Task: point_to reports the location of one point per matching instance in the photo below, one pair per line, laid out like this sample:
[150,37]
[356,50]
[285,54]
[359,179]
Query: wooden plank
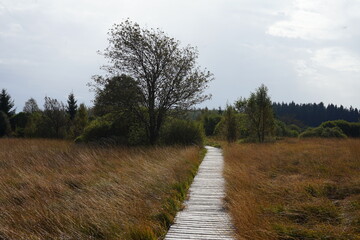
[204,217]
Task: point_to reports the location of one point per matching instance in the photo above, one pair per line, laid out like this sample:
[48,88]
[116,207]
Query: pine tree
[6,103]
[230,124]
[4,124]
[72,106]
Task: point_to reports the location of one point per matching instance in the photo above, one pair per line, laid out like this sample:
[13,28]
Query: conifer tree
[4,124]
[72,106]
[6,103]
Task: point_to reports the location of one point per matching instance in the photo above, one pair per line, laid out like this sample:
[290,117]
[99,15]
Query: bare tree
[167,75]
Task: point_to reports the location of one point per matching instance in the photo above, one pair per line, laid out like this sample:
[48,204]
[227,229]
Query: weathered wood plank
[204,217]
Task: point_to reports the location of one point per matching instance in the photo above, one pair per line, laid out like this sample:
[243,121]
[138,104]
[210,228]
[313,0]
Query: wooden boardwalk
[204,217]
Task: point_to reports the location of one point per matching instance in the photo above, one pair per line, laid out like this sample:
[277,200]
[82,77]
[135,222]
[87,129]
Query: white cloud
[337,58]
[317,20]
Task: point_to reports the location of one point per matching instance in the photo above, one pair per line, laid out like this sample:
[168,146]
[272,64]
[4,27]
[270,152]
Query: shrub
[5,128]
[210,121]
[350,129]
[323,133]
[97,129]
[242,130]
[282,130]
[111,128]
[18,123]
[182,132]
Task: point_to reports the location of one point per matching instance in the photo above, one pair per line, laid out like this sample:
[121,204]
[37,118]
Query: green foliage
[259,111]
[51,123]
[54,119]
[71,108]
[118,94]
[182,132]
[33,125]
[323,132]
[231,125]
[113,128]
[80,121]
[241,126]
[96,130]
[18,123]
[282,130]
[5,128]
[6,103]
[166,76]
[210,120]
[350,129]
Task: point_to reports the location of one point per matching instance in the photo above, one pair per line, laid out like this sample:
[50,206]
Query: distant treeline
[313,114]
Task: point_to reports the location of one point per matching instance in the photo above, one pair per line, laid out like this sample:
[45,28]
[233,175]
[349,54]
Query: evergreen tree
[71,108]
[313,114]
[5,128]
[6,103]
[230,124]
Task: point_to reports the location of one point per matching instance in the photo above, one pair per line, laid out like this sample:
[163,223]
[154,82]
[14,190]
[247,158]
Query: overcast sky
[302,50]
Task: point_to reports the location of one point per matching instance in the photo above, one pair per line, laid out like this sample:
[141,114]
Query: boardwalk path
[204,217]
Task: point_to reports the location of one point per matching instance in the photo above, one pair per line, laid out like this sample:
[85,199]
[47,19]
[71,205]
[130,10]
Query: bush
[323,133]
[18,123]
[182,132]
[350,129]
[113,128]
[96,130]
[5,128]
[210,121]
[282,130]
[242,130]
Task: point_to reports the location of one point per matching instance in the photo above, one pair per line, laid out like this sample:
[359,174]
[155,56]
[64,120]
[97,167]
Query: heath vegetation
[52,189]
[294,189]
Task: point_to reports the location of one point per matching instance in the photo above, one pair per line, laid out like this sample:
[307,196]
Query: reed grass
[54,189]
[294,189]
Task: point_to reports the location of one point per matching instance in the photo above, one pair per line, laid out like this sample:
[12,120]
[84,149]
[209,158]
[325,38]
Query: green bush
[242,130]
[210,121]
[182,132]
[5,128]
[350,129]
[112,128]
[282,130]
[322,132]
[96,130]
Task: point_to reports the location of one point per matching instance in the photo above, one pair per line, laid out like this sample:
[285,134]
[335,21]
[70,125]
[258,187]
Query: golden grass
[53,189]
[294,189]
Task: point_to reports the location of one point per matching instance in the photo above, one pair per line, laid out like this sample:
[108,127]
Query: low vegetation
[52,189]
[294,189]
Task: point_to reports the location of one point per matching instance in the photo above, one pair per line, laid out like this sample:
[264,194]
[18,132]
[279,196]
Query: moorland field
[294,189]
[52,189]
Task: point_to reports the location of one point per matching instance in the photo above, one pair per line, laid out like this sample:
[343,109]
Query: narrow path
[204,216]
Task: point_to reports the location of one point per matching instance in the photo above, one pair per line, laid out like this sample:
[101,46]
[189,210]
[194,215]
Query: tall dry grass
[53,189]
[294,189]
